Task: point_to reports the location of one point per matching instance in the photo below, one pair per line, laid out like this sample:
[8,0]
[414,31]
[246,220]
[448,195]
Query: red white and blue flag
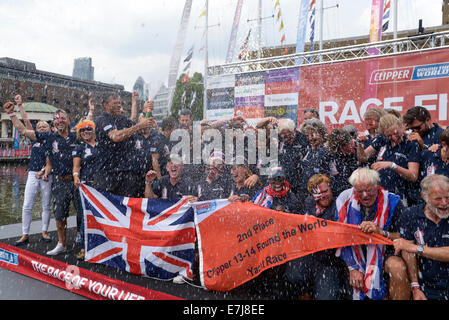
[371,264]
[148,237]
[386,16]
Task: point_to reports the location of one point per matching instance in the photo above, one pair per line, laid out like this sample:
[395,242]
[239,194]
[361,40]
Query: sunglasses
[416,128]
[88,129]
[184,112]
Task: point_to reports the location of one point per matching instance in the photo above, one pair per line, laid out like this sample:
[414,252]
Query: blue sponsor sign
[431,71]
[9,257]
[206,207]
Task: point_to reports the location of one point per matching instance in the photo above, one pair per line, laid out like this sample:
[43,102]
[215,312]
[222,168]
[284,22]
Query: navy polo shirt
[341,168]
[114,156]
[162,147]
[37,158]
[220,188]
[142,148]
[314,162]
[89,160]
[59,151]
[433,136]
[325,256]
[291,155]
[431,163]
[164,189]
[415,225]
[290,202]
[251,192]
[401,154]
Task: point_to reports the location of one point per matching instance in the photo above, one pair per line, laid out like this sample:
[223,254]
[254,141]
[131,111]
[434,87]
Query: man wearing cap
[278,195]
[60,146]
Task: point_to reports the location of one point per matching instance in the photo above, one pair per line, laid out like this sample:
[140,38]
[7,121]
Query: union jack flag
[153,238]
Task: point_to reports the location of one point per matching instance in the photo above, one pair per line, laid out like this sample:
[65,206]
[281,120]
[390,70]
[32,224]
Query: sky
[128,39]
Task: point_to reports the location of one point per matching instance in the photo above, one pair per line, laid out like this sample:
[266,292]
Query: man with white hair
[425,242]
[375,210]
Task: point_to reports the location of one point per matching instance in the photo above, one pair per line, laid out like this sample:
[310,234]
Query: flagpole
[321,27]
[206,62]
[395,22]
[259,30]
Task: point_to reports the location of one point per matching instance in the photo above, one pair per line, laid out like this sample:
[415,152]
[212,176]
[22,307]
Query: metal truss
[416,43]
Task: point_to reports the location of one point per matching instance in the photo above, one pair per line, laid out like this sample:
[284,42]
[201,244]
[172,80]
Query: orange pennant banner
[237,241]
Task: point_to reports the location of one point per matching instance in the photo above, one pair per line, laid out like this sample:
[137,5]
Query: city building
[57,90]
[82,69]
[142,89]
[161,109]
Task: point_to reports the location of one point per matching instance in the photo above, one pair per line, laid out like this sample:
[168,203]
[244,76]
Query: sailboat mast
[235,27]
[176,56]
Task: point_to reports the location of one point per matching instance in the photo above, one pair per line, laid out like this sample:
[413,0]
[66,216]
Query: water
[13,177]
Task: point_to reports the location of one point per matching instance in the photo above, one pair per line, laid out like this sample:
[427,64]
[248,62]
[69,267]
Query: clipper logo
[412,73]
[9,257]
[391,75]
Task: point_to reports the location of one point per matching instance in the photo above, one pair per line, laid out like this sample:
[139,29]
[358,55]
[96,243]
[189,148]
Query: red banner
[72,278]
[342,92]
[237,241]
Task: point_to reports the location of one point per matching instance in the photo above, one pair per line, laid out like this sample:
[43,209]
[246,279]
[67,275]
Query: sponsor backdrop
[341,92]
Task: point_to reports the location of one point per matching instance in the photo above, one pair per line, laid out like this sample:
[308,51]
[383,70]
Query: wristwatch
[420,250]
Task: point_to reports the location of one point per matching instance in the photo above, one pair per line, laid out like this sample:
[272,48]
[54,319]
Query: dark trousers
[63,191]
[324,281]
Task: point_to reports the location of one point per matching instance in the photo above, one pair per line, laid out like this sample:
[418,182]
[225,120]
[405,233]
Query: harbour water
[13,177]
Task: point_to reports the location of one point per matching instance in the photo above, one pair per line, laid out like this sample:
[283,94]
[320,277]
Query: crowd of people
[391,179]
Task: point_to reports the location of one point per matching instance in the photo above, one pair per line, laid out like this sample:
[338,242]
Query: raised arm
[18,100]
[90,115]
[9,108]
[149,178]
[134,110]
[363,155]
[121,135]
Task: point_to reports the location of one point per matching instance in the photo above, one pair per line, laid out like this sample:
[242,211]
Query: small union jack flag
[153,238]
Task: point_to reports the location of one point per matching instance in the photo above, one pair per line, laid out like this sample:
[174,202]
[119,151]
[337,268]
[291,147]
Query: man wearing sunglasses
[424,131]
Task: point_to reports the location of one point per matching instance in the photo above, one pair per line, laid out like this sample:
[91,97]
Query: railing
[361,51]
[10,154]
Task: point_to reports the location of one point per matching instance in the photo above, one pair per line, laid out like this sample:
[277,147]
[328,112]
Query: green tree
[193,84]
